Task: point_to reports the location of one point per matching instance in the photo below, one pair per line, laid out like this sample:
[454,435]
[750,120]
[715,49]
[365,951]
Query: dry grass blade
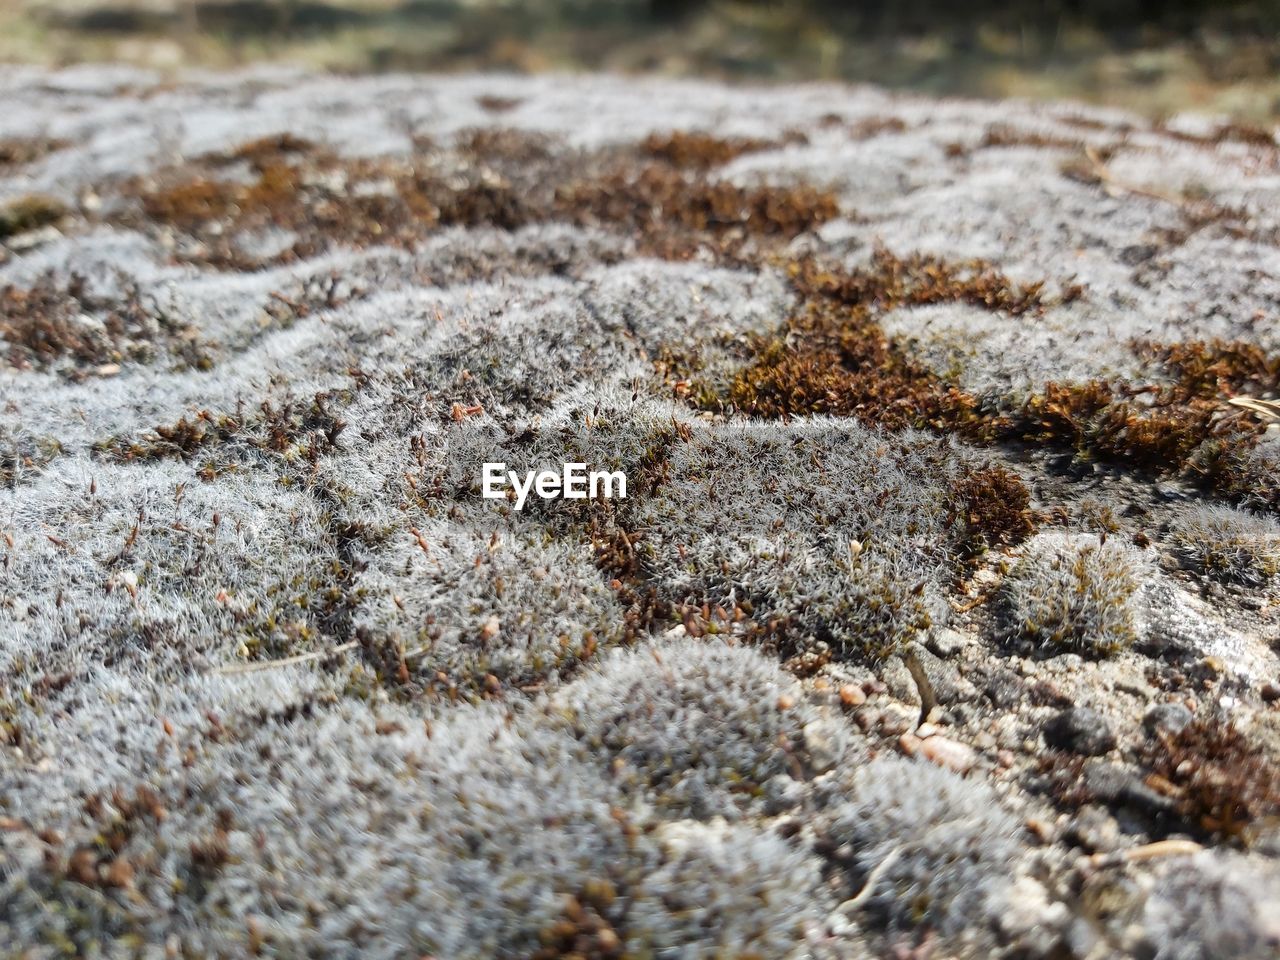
[1268,410]
[286,662]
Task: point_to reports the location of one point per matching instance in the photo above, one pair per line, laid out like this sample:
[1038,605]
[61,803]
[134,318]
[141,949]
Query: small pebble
[949,643]
[1166,718]
[822,749]
[851,695]
[947,753]
[1081,731]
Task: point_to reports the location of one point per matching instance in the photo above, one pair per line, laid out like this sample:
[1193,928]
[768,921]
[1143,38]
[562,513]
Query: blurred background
[1158,58]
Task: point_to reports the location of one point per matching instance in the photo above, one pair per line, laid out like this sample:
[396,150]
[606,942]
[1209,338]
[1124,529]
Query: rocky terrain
[940,619]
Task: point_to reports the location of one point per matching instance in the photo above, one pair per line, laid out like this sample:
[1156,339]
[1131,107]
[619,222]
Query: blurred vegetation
[1155,57]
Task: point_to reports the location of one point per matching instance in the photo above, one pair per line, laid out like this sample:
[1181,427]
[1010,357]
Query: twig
[1107,179]
[286,662]
[869,887]
[1150,851]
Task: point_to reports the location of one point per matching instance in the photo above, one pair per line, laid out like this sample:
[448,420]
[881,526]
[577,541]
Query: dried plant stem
[286,662]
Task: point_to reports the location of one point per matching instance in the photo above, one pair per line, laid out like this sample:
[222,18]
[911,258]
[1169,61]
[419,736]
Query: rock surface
[275,678]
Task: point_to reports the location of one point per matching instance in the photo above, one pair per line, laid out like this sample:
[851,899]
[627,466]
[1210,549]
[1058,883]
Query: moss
[266,151]
[1240,467]
[833,356]
[494,104]
[1077,592]
[29,213]
[1100,420]
[892,281]
[1226,544]
[1004,135]
[1235,131]
[941,848]
[693,727]
[103,862]
[875,614]
[510,179]
[487,204]
[995,506]
[1097,517]
[587,928]
[1181,427]
[63,327]
[293,431]
[875,127]
[692,150]
[508,149]
[666,206]
[1222,782]
[1214,904]
[19,151]
[1214,369]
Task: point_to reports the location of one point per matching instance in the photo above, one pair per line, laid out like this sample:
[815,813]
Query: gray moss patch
[930,848]
[1228,544]
[1078,592]
[834,535]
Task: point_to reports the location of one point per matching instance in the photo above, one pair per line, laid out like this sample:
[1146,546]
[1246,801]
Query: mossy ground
[276,678]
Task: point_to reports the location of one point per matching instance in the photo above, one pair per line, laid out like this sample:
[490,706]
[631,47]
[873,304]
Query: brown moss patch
[493,104]
[587,928]
[106,856]
[892,281]
[832,357]
[1004,135]
[1103,421]
[1177,424]
[52,325]
[1231,132]
[995,506]
[265,151]
[1222,783]
[870,127]
[323,200]
[296,431]
[498,178]
[511,151]
[674,214]
[1216,368]
[693,150]
[19,151]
